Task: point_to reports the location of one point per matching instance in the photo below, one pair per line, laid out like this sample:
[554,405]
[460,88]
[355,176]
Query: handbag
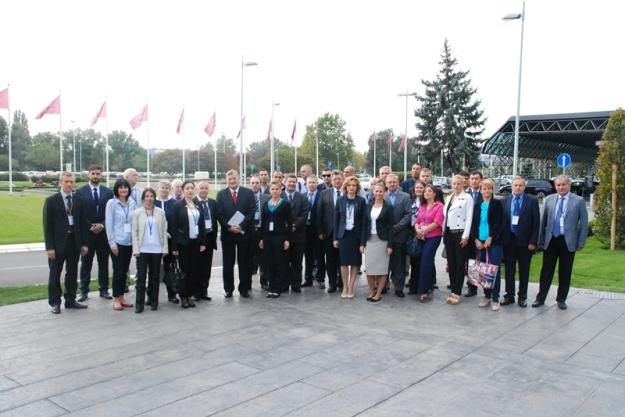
[414,247]
[482,273]
[174,275]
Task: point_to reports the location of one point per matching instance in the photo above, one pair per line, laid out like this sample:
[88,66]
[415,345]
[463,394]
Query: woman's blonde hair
[488,183]
[349,180]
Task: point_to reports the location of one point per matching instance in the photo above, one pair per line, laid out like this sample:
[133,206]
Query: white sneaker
[485,301]
[495,306]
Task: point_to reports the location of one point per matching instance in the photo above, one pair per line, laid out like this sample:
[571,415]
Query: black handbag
[174,275]
[414,246]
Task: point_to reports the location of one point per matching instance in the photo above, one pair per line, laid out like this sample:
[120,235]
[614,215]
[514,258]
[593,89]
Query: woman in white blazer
[149,244]
[458,212]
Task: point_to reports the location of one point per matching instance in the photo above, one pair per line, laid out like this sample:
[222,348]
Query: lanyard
[125,209]
[150,223]
[195,218]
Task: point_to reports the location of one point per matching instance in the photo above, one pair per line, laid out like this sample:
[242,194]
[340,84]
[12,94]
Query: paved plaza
[315,354]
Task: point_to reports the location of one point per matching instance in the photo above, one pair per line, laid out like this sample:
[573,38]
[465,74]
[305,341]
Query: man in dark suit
[313,252]
[299,212]
[475,180]
[401,228]
[407,185]
[94,197]
[263,177]
[165,202]
[325,228]
[236,239]
[65,234]
[256,259]
[563,231]
[209,208]
[523,219]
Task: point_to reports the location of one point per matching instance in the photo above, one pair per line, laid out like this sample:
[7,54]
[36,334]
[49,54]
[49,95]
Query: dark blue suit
[97,243]
[350,240]
[516,248]
[313,252]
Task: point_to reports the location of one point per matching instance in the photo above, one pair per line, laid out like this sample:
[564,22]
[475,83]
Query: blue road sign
[330,164]
[563,160]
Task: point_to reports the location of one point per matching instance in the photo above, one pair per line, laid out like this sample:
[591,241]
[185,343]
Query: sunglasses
[325,175]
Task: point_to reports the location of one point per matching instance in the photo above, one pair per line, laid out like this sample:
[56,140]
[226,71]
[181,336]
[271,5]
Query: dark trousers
[513,254]
[296,258]
[98,246]
[313,255]
[557,249]
[148,264]
[456,260]
[413,283]
[398,267]
[121,263]
[427,273]
[471,254]
[189,258]
[256,260]
[204,272]
[332,261]
[68,256]
[239,251]
[495,253]
[168,260]
[276,262]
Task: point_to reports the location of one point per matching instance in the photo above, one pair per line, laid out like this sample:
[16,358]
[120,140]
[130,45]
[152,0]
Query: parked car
[538,187]
[583,187]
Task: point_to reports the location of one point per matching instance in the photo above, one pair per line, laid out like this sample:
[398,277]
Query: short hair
[164,182]
[563,177]
[517,178]
[232,172]
[278,172]
[464,174]
[419,182]
[291,176]
[276,183]
[263,170]
[391,175]
[306,166]
[184,184]
[336,172]
[66,174]
[488,183]
[457,177]
[326,169]
[477,173]
[384,167]
[312,177]
[254,177]
[205,180]
[417,164]
[176,182]
[94,167]
[148,190]
[129,171]
[347,181]
[122,182]
[425,170]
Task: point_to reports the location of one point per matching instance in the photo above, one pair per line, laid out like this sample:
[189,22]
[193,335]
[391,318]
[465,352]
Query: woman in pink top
[429,229]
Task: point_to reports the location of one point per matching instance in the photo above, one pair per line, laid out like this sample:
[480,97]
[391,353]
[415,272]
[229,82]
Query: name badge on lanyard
[126,227]
[562,222]
[515,220]
[207,225]
[70,219]
[195,230]
[271,226]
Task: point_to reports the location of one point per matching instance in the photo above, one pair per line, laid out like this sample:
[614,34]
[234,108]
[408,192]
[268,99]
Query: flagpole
[295,164]
[317,150]
[60,134]
[10,150]
[215,149]
[390,151]
[106,132]
[148,150]
[375,145]
[184,149]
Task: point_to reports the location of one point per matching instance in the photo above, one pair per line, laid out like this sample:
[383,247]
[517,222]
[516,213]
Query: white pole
[375,145]
[106,142]
[241,125]
[271,143]
[147,128]
[74,149]
[390,153]
[184,149]
[295,164]
[10,150]
[406,139]
[215,150]
[60,136]
[317,149]
[518,101]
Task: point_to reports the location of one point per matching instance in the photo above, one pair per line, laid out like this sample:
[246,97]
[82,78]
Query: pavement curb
[22,247]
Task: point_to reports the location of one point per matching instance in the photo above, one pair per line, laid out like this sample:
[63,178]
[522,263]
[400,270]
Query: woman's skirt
[349,252]
[376,258]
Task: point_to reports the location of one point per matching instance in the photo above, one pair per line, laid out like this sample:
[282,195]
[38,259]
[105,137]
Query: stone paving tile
[6,383]
[605,401]
[43,408]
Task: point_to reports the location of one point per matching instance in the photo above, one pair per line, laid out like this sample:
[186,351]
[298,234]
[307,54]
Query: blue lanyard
[150,223]
[195,218]
[126,209]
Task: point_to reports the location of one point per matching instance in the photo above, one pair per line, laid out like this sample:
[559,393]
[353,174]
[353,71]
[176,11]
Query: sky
[345,57]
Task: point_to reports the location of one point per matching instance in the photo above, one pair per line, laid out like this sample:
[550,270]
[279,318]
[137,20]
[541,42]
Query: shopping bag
[482,273]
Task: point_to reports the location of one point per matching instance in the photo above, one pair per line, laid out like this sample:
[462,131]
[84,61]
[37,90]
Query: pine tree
[450,117]
[611,152]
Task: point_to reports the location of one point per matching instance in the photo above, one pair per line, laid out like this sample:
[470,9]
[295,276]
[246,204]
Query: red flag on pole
[402,143]
[180,121]
[4,98]
[293,132]
[53,108]
[99,114]
[373,137]
[389,141]
[242,125]
[136,121]
[210,127]
[270,130]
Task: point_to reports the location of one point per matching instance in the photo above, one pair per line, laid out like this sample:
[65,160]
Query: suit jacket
[299,214]
[140,219]
[56,224]
[179,227]
[325,212]
[529,219]
[478,199]
[360,219]
[211,237]
[264,197]
[94,214]
[575,222]
[281,218]
[383,224]
[497,229]
[167,207]
[313,210]
[401,217]
[246,204]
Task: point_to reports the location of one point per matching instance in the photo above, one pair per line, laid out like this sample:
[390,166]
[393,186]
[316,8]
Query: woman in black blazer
[350,234]
[276,221]
[379,248]
[187,241]
[488,231]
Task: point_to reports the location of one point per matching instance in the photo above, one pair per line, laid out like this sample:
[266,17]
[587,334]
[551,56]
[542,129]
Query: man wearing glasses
[326,176]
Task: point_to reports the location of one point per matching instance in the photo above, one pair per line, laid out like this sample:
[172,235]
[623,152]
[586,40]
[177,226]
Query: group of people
[295,231]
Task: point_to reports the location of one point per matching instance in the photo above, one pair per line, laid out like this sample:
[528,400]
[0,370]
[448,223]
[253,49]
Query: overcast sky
[350,58]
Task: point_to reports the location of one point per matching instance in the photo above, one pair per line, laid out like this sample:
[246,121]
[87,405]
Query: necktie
[96,199]
[311,200]
[258,211]
[556,222]
[338,194]
[391,197]
[515,212]
[234,197]
[69,205]
[290,197]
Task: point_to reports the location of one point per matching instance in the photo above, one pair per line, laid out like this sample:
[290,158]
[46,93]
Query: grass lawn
[21,218]
[14,295]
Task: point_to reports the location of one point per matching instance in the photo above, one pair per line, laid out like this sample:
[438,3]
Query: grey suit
[399,236]
[561,248]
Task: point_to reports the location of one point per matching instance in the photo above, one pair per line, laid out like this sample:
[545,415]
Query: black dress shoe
[228,294]
[522,303]
[205,298]
[174,300]
[196,298]
[307,284]
[55,309]
[74,304]
[154,307]
[435,286]
[264,286]
[82,297]
[191,303]
[400,293]
[538,303]
[322,286]
[139,309]
[296,290]
[472,292]
[331,289]
[413,292]
[562,305]
[184,302]
[245,294]
[369,298]
[507,301]
[105,295]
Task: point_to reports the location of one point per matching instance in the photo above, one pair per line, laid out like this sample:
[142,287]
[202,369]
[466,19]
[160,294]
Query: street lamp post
[272,156]
[241,147]
[73,144]
[406,94]
[515,156]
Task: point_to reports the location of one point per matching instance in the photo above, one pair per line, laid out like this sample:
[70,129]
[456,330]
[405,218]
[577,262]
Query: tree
[43,154]
[4,136]
[450,117]
[20,139]
[611,152]
[335,143]
[125,152]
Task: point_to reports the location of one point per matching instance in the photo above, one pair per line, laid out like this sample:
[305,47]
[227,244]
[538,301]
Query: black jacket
[325,212]
[211,237]
[281,218]
[360,219]
[299,214]
[93,213]
[56,224]
[529,220]
[179,228]
[246,204]
[496,222]
[383,224]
